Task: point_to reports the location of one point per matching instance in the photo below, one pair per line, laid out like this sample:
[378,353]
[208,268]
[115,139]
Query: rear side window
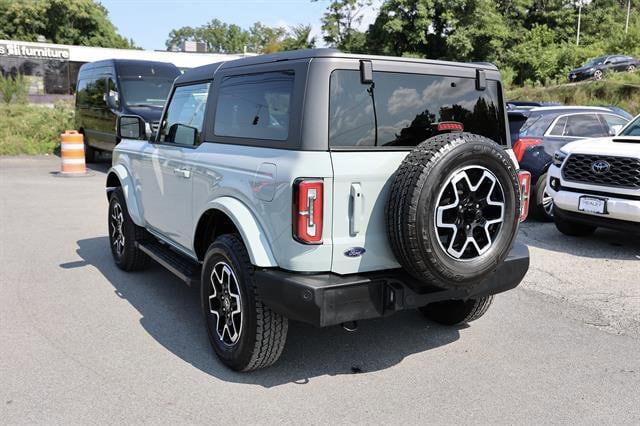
[256,106]
[614,123]
[408,108]
[185,115]
[585,125]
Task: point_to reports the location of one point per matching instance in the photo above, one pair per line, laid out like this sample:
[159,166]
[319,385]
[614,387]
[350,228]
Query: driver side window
[184,118]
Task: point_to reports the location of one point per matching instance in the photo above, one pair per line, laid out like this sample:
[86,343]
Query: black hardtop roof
[116,62]
[206,72]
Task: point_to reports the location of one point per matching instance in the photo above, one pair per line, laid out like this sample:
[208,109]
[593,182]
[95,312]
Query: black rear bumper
[329,299]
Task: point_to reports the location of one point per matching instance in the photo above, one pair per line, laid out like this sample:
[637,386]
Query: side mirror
[131,127]
[183,135]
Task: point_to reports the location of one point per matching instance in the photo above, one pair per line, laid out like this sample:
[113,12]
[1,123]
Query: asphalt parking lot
[83,342]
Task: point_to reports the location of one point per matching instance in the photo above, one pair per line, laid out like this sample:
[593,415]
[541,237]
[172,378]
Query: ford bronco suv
[323,187]
[596,183]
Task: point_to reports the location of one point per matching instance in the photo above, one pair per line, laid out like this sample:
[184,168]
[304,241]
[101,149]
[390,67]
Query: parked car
[596,183]
[539,132]
[597,67]
[529,104]
[326,188]
[110,88]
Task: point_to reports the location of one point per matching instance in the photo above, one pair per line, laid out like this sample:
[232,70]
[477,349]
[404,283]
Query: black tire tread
[455,312]
[408,183]
[271,327]
[136,259]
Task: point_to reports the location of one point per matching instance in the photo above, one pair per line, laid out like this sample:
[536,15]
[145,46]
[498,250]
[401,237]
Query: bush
[620,89]
[13,88]
[31,129]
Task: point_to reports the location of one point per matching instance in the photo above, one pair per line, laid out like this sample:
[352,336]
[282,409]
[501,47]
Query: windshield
[632,129]
[147,91]
[594,62]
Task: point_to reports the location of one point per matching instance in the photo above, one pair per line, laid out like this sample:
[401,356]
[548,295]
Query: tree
[339,24]
[79,22]
[230,38]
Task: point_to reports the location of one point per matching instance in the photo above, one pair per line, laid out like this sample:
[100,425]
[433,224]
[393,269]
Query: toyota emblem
[599,167]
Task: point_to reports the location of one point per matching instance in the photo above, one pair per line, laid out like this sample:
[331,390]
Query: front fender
[128,189]
[252,234]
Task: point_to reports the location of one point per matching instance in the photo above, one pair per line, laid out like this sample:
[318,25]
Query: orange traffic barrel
[72,153]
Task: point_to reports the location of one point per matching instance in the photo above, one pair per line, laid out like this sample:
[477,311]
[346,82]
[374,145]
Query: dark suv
[537,133]
[113,87]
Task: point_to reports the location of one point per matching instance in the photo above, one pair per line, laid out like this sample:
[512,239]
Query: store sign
[28,51]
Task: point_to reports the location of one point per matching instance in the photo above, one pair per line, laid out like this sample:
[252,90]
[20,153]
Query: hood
[606,146]
[149,113]
[580,69]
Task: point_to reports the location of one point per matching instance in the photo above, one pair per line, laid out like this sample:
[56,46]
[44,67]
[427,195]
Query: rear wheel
[245,334]
[90,154]
[573,229]
[631,68]
[452,212]
[452,312]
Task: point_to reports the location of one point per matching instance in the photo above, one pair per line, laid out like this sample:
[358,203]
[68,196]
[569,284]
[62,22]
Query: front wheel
[245,334]
[543,207]
[597,75]
[453,312]
[124,234]
[631,68]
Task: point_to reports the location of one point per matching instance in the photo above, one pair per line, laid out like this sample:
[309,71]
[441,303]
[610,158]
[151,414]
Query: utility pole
[626,27]
[579,16]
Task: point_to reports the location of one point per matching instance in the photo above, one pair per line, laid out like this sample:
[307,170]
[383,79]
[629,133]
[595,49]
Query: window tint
[614,123]
[409,107]
[560,127]
[536,126]
[255,106]
[515,124]
[584,125]
[185,115]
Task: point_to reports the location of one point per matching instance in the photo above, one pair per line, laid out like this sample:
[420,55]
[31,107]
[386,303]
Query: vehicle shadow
[604,243]
[170,313]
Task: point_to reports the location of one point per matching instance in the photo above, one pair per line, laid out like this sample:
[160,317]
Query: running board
[181,266]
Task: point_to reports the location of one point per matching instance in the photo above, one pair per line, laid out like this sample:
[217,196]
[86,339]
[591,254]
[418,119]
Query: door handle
[185,173]
[357,209]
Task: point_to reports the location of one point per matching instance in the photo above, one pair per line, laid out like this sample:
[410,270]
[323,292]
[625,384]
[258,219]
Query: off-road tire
[263,331]
[415,190]
[454,312]
[537,207]
[131,258]
[573,229]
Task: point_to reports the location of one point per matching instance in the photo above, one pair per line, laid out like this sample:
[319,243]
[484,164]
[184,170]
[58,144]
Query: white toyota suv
[596,182]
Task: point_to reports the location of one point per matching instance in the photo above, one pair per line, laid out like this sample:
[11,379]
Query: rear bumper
[330,299]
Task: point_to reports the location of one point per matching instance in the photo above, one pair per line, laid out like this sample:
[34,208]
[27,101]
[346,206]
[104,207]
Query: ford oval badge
[354,252]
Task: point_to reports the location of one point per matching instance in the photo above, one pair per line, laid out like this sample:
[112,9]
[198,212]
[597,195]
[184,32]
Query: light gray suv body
[271,181]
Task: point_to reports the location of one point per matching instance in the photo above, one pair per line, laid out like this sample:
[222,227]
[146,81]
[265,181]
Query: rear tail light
[525,191]
[450,126]
[307,210]
[522,144]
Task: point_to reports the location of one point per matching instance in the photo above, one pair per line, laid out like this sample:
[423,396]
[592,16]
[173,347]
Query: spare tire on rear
[453,209]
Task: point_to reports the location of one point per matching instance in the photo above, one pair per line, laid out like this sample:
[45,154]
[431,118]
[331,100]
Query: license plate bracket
[592,205]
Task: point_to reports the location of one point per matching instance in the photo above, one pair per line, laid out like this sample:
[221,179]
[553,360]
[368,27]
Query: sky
[148,22]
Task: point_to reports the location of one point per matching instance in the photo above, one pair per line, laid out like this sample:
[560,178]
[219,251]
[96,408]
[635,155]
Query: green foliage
[79,22]
[31,129]
[13,89]
[531,40]
[339,24]
[229,38]
[620,89]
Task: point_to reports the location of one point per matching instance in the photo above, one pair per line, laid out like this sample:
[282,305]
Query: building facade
[51,70]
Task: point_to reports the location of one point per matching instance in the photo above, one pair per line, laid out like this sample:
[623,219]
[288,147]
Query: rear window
[255,106]
[408,107]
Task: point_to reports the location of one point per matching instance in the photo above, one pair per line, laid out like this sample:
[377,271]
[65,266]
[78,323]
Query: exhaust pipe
[350,326]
